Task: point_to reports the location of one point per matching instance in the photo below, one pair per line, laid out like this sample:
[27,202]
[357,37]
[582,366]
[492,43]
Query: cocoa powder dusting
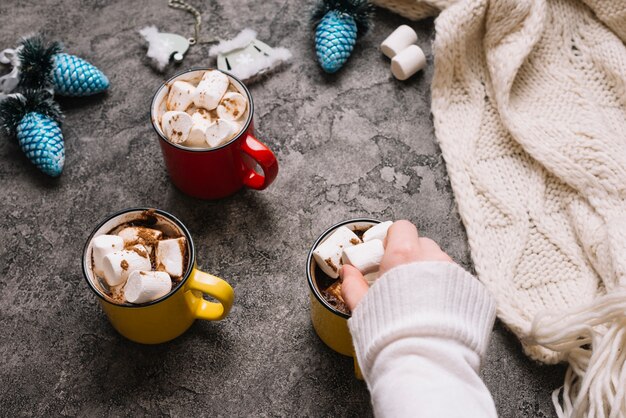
[124,265]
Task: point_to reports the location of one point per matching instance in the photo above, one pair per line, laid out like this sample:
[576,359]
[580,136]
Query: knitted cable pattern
[529,105]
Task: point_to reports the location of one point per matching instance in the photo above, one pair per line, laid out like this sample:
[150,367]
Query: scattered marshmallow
[220,131]
[327,255]
[145,286]
[176,126]
[170,256]
[119,264]
[180,96]
[232,106]
[365,257]
[210,90]
[101,246]
[399,39]
[378,231]
[407,62]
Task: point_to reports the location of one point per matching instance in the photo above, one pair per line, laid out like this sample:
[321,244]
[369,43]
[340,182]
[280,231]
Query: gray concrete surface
[353,144]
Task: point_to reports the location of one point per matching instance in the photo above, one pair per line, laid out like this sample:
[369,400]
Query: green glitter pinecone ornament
[34,118]
[43,65]
[338,23]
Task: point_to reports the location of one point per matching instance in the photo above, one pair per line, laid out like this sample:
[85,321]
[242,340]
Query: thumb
[353,286]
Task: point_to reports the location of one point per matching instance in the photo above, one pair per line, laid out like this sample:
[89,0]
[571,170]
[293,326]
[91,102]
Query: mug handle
[214,287]
[260,153]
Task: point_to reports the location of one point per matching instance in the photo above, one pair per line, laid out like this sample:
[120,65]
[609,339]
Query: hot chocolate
[204,110]
[140,260]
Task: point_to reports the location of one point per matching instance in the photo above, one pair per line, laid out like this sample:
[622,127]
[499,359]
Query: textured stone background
[358,143]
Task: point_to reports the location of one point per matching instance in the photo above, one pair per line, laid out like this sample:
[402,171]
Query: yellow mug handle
[213,286]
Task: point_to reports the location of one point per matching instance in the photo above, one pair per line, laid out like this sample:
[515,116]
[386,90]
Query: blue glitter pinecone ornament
[34,119]
[338,23]
[43,65]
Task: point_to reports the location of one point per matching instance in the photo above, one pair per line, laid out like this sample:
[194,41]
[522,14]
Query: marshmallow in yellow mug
[171,315]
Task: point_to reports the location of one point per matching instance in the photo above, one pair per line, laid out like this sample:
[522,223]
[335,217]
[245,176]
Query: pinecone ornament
[338,23]
[43,65]
[34,118]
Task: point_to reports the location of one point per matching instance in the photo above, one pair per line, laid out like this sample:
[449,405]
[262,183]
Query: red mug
[216,172]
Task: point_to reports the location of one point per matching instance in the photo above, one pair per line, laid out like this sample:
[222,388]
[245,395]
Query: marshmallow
[176,126]
[327,255]
[399,39]
[146,286]
[101,246]
[119,264]
[365,257]
[378,231]
[180,96]
[140,234]
[232,106]
[170,256]
[220,131]
[211,89]
[408,61]
[201,115]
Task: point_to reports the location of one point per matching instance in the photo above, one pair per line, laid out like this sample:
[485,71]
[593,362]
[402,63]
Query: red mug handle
[260,153]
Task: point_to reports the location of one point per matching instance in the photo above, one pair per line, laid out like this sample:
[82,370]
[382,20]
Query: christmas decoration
[42,65]
[338,23]
[34,119]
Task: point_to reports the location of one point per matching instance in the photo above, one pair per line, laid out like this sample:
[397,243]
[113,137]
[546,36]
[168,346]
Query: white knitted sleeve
[419,335]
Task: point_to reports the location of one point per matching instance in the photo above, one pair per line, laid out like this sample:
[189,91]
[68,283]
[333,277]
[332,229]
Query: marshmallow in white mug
[176,126]
[378,231]
[407,62]
[399,39]
[180,96]
[232,106]
[119,264]
[145,286]
[327,255]
[220,131]
[170,256]
[210,90]
[365,257]
[101,246]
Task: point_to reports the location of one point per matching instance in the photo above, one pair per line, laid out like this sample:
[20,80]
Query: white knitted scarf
[529,104]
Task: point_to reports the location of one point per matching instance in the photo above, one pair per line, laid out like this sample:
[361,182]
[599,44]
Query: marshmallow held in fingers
[180,96]
[118,265]
[232,106]
[146,286]
[365,257]
[220,131]
[210,90]
[170,256]
[176,126]
[101,246]
[399,39]
[327,255]
[407,62]
[378,231]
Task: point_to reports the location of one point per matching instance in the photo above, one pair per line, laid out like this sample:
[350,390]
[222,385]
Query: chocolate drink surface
[141,237]
[331,288]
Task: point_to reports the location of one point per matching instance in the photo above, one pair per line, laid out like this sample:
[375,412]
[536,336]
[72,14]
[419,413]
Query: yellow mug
[330,324]
[169,316]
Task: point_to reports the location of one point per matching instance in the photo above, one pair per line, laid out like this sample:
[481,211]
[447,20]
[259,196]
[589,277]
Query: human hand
[403,245]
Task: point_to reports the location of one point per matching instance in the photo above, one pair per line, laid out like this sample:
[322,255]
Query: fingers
[353,287]
[402,245]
